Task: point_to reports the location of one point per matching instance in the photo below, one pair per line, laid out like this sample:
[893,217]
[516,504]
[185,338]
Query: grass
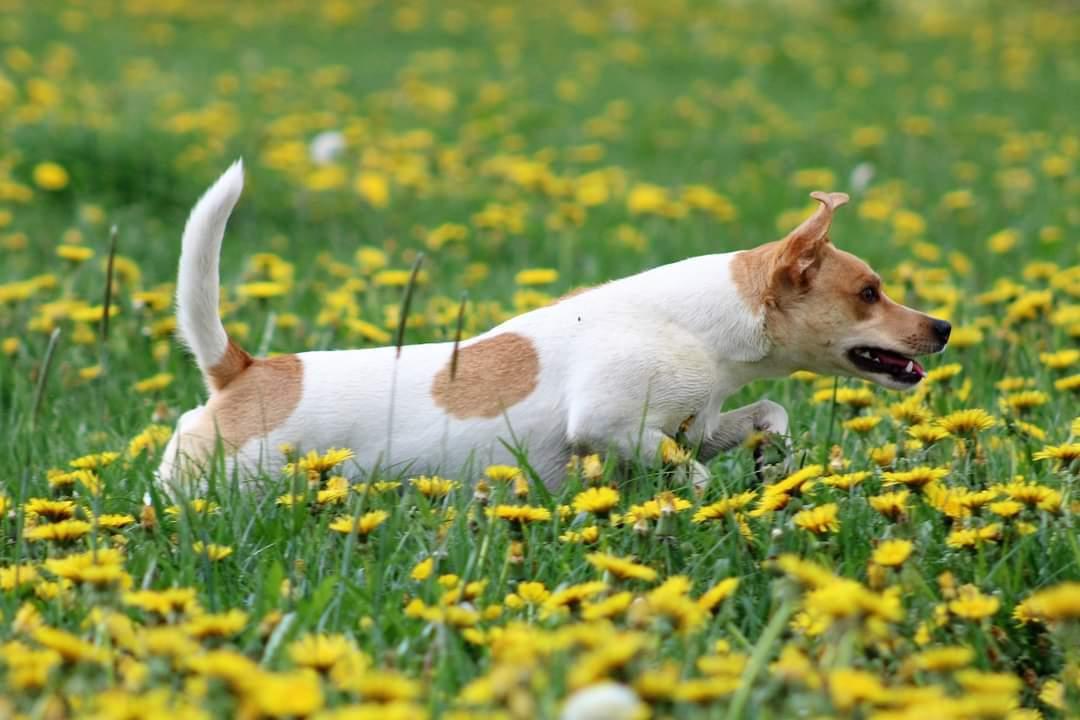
[595,141]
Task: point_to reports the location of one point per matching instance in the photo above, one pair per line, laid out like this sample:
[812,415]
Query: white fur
[622,366]
[197,284]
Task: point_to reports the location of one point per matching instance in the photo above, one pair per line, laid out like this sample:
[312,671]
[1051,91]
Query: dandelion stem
[832,422]
[399,340]
[457,335]
[759,657]
[43,377]
[406,303]
[107,303]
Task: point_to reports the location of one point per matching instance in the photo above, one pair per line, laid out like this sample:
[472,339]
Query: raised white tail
[197,287]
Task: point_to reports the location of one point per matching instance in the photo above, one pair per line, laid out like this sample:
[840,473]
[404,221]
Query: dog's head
[826,310]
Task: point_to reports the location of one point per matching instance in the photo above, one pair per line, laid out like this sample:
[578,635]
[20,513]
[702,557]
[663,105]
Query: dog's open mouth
[899,367]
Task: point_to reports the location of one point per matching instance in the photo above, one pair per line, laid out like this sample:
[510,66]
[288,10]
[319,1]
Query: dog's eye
[869,294]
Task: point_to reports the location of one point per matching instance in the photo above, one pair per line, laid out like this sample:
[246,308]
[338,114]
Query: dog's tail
[197,287]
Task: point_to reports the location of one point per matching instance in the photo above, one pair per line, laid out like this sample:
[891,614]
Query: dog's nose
[942,329]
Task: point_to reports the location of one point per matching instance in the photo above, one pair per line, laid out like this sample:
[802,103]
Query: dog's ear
[799,254]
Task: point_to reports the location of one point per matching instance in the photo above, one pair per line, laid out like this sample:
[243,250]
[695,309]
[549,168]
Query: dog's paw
[771,418]
[700,477]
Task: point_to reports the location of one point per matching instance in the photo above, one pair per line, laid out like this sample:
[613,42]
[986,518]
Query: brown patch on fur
[235,361]
[493,375]
[254,403]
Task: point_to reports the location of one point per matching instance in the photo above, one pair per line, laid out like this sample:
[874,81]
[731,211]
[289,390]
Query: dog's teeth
[910,365]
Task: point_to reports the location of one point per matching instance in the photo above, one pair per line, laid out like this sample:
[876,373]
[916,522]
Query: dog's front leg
[720,433]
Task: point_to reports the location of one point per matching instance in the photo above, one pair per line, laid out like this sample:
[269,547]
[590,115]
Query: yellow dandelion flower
[621,567]
[862,424]
[718,593]
[1066,453]
[972,537]
[671,453]
[95,461]
[433,486]
[821,519]
[261,290]
[1034,495]
[502,473]
[794,482]
[849,687]
[943,373]
[573,595]
[891,505]
[597,500]
[211,551]
[152,438]
[965,337]
[101,567]
[74,253]
[154,383]
[368,331]
[971,604]
[374,188]
[319,651]
[362,526]
[51,510]
[162,602]
[845,481]
[536,276]
[927,434]
[423,569]
[892,553]
[607,608]
[915,477]
[940,659]
[967,422]
[586,536]
[590,467]
[720,510]
[1006,508]
[1061,359]
[1022,401]
[219,625]
[884,455]
[520,514]
[114,521]
[1029,429]
[71,648]
[51,176]
[61,532]
[1057,603]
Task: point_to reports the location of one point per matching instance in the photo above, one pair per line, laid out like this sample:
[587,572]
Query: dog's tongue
[901,362]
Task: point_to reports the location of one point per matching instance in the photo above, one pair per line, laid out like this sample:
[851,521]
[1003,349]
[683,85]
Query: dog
[617,367]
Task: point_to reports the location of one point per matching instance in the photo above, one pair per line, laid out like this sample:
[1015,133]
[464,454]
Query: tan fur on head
[811,295]
[800,252]
[492,375]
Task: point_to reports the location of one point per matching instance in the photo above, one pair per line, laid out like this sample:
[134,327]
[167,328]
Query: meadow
[918,554]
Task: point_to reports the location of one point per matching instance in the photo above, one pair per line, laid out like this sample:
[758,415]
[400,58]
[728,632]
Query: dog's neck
[700,296]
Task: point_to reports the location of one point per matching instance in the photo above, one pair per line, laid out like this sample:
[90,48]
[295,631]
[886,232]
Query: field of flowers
[919,554]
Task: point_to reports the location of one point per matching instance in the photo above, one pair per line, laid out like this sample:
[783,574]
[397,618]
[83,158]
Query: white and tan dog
[615,367]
